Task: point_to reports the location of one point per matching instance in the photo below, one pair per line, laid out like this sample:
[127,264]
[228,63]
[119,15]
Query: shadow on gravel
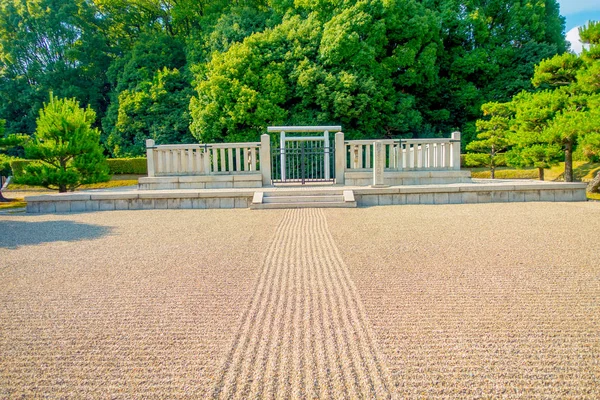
[14,234]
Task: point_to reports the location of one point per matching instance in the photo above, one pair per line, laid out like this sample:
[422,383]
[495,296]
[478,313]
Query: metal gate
[303,159]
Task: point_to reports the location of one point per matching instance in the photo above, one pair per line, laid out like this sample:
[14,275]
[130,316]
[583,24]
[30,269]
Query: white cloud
[568,7]
[573,37]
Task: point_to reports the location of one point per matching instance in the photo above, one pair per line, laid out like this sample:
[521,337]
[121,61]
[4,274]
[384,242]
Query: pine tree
[68,147]
[492,140]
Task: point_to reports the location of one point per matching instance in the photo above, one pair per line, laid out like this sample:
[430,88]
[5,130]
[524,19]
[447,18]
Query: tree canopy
[174,70]
[67,146]
[546,126]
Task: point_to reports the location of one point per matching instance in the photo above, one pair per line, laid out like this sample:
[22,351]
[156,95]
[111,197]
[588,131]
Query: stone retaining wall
[469,194]
[365,196]
[250,180]
[399,178]
[64,203]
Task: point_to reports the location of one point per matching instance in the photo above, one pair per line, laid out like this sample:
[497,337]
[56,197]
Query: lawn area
[593,196]
[116,181]
[584,171]
[16,203]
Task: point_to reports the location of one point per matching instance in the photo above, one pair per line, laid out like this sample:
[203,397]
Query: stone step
[305,192]
[309,204]
[303,199]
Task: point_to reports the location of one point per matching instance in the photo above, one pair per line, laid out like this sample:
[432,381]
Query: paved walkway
[305,333]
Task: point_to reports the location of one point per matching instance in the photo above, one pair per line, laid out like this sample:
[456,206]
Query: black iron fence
[302,162]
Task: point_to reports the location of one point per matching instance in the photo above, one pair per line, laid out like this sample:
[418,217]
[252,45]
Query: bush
[18,168]
[129,166]
[5,165]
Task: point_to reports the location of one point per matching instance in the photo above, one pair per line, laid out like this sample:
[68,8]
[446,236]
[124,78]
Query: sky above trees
[578,13]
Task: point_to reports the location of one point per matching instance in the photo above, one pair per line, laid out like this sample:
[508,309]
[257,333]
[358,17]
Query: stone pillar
[327,155]
[378,164]
[282,152]
[150,157]
[265,159]
[340,158]
[456,151]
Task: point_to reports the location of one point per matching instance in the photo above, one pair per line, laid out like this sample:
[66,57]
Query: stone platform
[478,191]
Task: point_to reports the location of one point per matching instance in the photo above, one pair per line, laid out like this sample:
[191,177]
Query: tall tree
[132,75]
[49,45]
[573,97]
[534,113]
[352,65]
[156,109]
[489,52]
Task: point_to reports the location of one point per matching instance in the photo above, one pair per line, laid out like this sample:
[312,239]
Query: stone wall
[201,182]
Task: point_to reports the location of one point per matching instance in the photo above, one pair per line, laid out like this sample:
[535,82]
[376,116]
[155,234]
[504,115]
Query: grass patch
[16,203]
[101,185]
[505,173]
[593,196]
[110,184]
[582,171]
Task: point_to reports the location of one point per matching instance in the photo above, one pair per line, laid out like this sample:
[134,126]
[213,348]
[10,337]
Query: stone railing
[203,159]
[405,154]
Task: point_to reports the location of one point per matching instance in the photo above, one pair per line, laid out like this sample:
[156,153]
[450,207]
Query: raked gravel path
[463,301]
[305,333]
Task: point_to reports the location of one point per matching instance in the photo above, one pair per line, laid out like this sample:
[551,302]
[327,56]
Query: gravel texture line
[480,301]
[305,333]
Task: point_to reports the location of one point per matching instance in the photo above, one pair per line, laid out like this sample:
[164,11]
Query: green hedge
[129,166]
[116,166]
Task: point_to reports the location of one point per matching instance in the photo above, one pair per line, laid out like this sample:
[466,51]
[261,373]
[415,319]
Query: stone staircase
[303,199]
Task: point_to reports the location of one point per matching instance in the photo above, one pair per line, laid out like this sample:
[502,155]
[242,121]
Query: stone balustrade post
[456,151]
[150,157]
[378,164]
[340,158]
[265,159]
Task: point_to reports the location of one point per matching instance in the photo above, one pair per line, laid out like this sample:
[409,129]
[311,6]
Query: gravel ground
[123,304]
[480,301]
[496,300]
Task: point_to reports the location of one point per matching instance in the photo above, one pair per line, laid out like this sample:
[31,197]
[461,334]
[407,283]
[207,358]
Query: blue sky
[577,13]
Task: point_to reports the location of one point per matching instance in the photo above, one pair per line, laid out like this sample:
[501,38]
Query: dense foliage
[67,146]
[8,144]
[544,127]
[219,70]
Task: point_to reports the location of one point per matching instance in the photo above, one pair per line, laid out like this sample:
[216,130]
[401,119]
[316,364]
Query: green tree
[67,146]
[488,53]
[534,113]
[492,141]
[49,45]
[132,77]
[353,65]
[157,109]
[566,110]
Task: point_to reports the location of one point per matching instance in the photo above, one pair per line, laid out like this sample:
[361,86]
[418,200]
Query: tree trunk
[493,171]
[594,185]
[569,162]
[62,188]
[541,173]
